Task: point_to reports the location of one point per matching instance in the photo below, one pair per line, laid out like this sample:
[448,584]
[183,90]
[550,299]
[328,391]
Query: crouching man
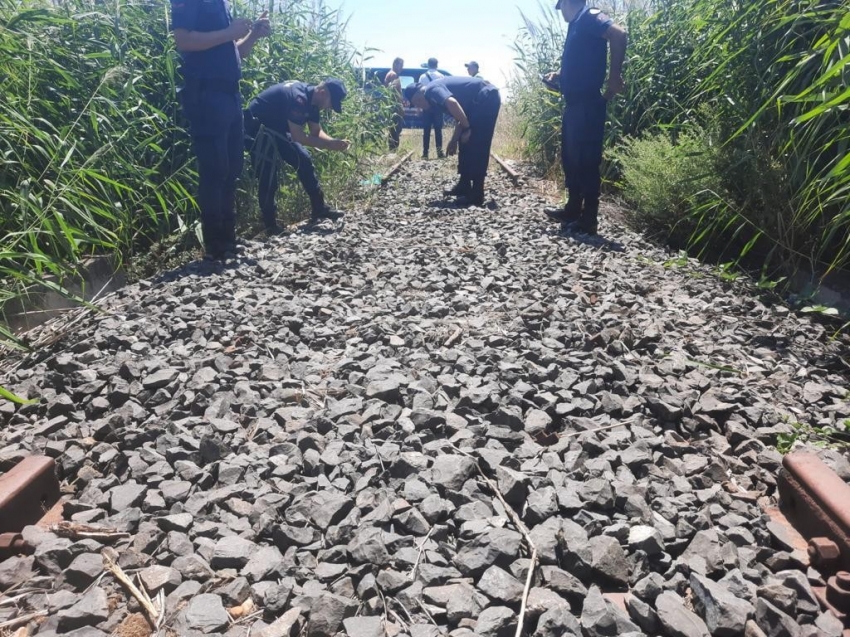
[274,129]
[474,103]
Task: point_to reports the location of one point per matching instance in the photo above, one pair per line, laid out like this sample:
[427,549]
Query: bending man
[474,103]
[274,128]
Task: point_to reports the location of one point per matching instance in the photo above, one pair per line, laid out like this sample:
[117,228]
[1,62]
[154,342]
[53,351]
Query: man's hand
[239,28]
[341,145]
[616,85]
[451,149]
[261,28]
[552,78]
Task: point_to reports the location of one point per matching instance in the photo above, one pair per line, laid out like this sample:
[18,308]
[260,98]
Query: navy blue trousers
[582,135]
[432,118]
[474,155]
[266,146]
[215,126]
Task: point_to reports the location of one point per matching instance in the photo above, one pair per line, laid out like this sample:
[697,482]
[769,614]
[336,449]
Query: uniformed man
[582,74]
[392,80]
[474,103]
[212,45]
[431,119]
[472,69]
[274,127]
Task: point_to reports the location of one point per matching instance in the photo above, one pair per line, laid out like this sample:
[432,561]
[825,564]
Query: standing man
[212,45]
[274,128]
[472,69]
[393,82]
[582,74]
[432,118]
[474,104]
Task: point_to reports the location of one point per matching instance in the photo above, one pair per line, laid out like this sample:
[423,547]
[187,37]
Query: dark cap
[410,91]
[337,90]
[471,63]
[432,63]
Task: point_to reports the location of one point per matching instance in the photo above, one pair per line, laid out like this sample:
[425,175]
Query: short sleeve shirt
[585,58]
[221,61]
[283,103]
[466,90]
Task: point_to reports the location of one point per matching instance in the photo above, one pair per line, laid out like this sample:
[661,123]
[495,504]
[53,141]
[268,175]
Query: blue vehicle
[375,77]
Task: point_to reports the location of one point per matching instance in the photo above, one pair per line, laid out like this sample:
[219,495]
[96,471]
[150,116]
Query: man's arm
[188,41]
[461,132]
[617,40]
[317,137]
[260,29]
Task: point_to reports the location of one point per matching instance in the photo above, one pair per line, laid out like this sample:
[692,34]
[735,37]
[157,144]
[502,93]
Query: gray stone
[206,613]
[84,570]
[364,626]
[642,613]
[452,471]
[90,610]
[501,586]
[602,618]
[126,496]
[676,619]
[15,571]
[647,539]
[773,622]
[367,547]
[725,614]
[327,614]
[265,563]
[558,621]
[496,621]
[232,552]
[609,560]
[158,576]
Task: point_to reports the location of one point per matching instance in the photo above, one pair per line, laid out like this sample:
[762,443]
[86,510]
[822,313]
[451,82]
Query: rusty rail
[395,168]
[27,492]
[817,503]
[515,177]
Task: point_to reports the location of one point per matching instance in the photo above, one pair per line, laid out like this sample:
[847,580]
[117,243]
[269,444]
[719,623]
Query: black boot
[213,244]
[440,154]
[320,210]
[588,222]
[461,189]
[270,222]
[568,213]
[475,196]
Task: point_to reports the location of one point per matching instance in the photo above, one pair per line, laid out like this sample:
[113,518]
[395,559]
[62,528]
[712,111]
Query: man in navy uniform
[474,103]
[582,74]
[431,119]
[212,45]
[274,127]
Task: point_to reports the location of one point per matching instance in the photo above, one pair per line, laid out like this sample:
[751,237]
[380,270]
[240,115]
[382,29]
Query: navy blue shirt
[466,90]
[283,103]
[221,62]
[585,57]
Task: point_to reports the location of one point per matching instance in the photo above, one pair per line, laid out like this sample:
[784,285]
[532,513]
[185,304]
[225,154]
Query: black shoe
[460,189]
[424,155]
[327,213]
[561,214]
[440,154]
[274,230]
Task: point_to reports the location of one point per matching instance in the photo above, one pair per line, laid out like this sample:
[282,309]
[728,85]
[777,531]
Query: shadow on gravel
[442,204]
[597,241]
[202,267]
[320,227]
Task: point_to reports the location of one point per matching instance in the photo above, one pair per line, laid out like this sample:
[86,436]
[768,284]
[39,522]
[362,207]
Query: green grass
[93,155]
[759,88]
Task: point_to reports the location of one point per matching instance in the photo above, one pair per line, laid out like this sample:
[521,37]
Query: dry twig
[453,338]
[76,531]
[154,614]
[23,619]
[419,556]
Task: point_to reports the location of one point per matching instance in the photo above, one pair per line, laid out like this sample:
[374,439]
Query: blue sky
[453,31]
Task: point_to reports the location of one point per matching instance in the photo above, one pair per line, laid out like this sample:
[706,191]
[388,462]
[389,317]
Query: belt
[219,85]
